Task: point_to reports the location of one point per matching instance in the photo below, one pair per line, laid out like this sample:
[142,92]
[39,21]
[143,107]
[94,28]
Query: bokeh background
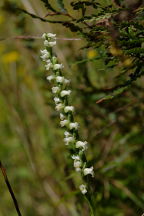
[31,141]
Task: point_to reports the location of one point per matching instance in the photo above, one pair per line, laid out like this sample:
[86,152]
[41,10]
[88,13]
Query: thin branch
[28,37]
[3,170]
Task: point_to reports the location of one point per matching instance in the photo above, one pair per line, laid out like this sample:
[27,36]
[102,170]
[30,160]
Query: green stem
[92,211]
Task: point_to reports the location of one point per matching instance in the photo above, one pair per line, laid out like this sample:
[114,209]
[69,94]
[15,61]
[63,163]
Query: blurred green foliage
[105,68]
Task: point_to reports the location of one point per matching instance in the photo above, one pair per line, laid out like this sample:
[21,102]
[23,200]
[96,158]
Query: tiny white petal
[55,89]
[88,171]
[80,144]
[69,109]
[44,57]
[65,93]
[57,66]
[51,35]
[57,100]
[83,189]
[59,79]
[44,35]
[43,52]
[68,140]
[48,64]
[77,163]
[62,116]
[73,125]
[52,43]
[75,157]
[64,123]
[50,78]
[59,106]
[67,134]
[46,43]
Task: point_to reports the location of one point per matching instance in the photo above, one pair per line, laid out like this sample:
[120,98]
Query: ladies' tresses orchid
[61,95]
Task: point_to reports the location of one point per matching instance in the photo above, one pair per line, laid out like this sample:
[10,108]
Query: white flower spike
[66,110]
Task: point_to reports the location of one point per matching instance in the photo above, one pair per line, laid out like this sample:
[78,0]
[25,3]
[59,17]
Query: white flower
[68,140]
[64,123]
[65,93]
[55,89]
[52,43]
[57,100]
[75,157]
[58,66]
[43,52]
[73,125]
[46,43]
[45,56]
[69,109]
[44,35]
[59,106]
[80,144]
[67,134]
[62,117]
[83,189]
[49,43]
[77,162]
[50,78]
[52,36]
[88,171]
[48,65]
[49,35]
[77,165]
[59,79]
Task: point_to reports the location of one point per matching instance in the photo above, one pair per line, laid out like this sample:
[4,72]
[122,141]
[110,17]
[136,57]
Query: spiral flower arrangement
[66,111]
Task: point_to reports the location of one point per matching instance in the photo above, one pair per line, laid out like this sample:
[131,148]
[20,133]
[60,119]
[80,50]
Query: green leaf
[61,6]
[48,5]
[72,27]
[80,4]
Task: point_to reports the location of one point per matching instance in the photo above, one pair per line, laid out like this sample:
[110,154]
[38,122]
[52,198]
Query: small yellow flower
[127,62]
[91,54]
[10,57]
[115,51]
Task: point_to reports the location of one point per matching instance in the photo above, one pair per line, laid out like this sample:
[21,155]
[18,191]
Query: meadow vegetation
[101,45]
